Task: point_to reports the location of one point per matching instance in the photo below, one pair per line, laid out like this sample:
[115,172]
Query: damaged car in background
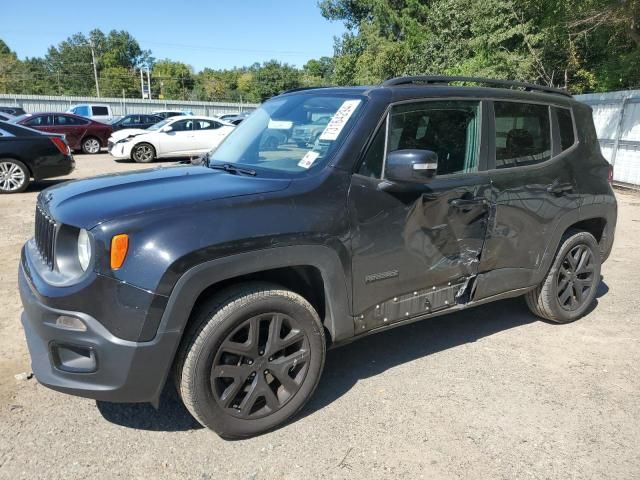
[231,278]
[179,136]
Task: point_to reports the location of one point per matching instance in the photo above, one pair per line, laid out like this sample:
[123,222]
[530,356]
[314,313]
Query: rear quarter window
[565,125]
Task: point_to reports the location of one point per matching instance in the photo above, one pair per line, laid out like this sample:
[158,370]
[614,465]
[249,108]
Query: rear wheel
[143,153]
[91,145]
[251,360]
[14,176]
[571,284]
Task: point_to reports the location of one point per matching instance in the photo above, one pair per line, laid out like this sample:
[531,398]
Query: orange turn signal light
[119,247]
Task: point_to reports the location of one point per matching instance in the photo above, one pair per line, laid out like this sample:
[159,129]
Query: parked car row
[138,137]
[27,154]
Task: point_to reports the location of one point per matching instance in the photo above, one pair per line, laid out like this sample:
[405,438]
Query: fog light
[70,323]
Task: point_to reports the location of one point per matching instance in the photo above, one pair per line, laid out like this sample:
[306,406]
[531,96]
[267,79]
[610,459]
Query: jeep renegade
[419,197]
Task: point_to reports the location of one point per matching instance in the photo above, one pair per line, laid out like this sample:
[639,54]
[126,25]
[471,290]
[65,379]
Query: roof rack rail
[301,89]
[446,80]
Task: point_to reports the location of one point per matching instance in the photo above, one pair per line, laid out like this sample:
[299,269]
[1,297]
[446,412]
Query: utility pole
[149,82]
[95,68]
[141,84]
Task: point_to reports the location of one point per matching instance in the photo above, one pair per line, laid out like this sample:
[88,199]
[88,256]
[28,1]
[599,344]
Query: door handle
[468,202]
[559,188]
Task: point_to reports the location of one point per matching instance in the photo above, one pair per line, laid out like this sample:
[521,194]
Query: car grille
[45,236]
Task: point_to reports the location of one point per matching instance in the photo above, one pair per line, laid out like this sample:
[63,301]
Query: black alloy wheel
[575,278]
[250,359]
[570,286]
[260,365]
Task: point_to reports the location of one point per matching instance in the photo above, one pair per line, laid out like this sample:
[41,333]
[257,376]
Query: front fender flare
[194,281]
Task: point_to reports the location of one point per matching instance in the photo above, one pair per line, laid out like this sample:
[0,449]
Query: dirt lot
[488,393]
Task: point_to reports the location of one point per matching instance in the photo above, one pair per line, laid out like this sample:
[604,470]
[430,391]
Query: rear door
[208,134]
[533,188]
[72,127]
[417,250]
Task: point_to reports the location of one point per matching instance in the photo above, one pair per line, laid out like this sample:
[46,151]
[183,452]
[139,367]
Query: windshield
[290,134]
[159,125]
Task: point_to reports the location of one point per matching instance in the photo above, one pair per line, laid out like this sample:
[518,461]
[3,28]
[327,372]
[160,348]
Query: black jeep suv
[420,197]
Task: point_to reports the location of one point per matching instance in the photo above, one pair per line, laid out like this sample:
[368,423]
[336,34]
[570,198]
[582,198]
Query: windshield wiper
[227,167]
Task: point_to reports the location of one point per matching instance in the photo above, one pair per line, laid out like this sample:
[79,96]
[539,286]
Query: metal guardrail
[122,106]
[616,116]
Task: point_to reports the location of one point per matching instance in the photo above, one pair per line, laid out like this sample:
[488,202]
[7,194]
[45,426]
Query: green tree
[10,69]
[172,80]
[580,44]
[272,78]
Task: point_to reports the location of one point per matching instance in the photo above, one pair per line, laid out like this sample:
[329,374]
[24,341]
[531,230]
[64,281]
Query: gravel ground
[487,393]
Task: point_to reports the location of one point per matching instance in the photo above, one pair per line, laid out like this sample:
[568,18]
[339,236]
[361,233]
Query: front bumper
[119,150]
[92,363]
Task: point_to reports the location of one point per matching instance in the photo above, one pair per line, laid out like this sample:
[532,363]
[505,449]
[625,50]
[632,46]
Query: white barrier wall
[617,119]
[122,106]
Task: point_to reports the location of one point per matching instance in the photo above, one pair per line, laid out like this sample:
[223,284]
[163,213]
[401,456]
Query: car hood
[126,132]
[87,203]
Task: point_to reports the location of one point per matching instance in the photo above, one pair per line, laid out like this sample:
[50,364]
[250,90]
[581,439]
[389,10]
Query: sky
[215,34]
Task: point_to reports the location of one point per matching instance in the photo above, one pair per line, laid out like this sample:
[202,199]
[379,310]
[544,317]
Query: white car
[183,136]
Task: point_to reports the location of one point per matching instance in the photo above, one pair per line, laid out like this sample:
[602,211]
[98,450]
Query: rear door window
[68,120]
[206,125]
[565,125]
[100,111]
[523,134]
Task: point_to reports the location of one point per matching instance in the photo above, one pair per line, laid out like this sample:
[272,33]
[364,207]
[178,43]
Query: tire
[91,145]
[14,176]
[143,153]
[572,282]
[268,378]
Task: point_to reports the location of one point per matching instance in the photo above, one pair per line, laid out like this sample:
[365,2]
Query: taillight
[61,145]
[610,175]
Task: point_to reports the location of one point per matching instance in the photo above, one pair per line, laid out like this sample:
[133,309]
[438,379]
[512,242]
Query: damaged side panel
[417,251]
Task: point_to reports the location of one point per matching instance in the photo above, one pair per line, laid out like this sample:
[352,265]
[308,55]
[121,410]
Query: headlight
[84,249]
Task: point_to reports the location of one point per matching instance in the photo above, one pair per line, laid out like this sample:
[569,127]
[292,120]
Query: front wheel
[143,153]
[14,176]
[571,284]
[252,358]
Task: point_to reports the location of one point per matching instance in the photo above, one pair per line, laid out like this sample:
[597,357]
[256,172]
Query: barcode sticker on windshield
[308,159]
[339,120]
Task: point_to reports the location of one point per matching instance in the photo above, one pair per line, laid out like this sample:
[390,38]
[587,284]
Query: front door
[417,251]
[179,141]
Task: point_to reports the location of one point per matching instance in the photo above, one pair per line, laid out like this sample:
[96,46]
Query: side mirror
[167,129]
[411,166]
